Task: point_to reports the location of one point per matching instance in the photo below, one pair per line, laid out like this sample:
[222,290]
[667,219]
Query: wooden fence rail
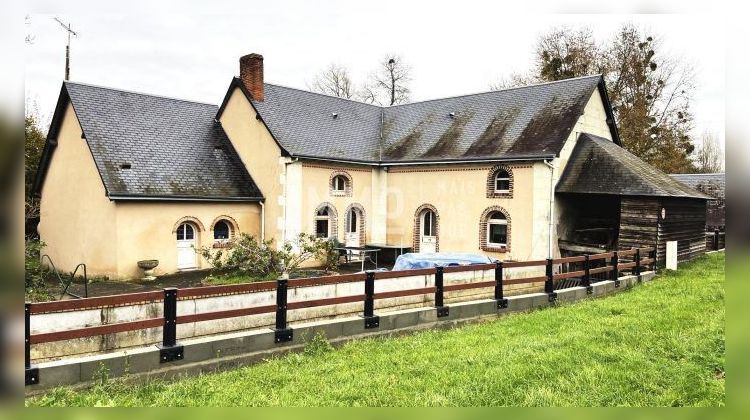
[171,350]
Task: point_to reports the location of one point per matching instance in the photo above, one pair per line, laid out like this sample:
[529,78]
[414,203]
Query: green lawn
[659,344]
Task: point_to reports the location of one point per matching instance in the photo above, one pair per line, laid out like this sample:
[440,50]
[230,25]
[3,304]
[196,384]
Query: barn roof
[153,147]
[525,122]
[713,184]
[598,166]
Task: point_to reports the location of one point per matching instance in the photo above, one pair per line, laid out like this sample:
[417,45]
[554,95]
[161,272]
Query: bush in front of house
[261,259]
[35,272]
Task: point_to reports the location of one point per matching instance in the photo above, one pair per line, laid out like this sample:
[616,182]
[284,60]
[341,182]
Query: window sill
[495,248]
[222,245]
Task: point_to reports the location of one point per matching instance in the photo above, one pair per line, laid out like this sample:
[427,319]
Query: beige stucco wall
[261,156]
[459,193]
[146,230]
[316,191]
[77,220]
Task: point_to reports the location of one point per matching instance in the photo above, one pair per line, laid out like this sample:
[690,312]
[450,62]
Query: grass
[659,344]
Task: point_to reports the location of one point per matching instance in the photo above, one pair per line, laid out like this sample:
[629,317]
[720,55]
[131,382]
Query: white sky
[452,48]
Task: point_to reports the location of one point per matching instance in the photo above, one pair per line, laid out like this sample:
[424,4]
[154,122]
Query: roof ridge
[487,92]
[68,82]
[321,94]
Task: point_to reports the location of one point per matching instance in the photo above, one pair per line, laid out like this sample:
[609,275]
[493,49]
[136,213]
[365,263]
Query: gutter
[551,206]
[262,221]
[183,198]
[428,162]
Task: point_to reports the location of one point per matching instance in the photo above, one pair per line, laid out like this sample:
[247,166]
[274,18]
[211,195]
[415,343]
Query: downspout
[551,206]
[262,221]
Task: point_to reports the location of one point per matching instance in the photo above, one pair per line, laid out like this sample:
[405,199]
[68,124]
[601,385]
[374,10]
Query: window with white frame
[323,223]
[338,183]
[502,181]
[497,230]
[222,231]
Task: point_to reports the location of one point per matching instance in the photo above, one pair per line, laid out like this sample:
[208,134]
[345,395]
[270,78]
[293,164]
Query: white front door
[352,228]
[427,236]
[186,255]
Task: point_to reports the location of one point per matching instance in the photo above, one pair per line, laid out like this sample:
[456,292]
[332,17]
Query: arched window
[426,229]
[428,223]
[338,183]
[497,230]
[500,182]
[185,232]
[322,223]
[494,230]
[222,231]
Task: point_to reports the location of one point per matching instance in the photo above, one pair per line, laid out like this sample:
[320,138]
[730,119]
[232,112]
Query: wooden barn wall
[685,222]
[638,222]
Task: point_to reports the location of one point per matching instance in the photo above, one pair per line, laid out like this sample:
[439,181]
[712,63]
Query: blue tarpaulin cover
[411,261]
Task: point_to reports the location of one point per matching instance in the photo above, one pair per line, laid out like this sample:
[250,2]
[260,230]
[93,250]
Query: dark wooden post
[638,263]
[371,320]
[549,284]
[442,310]
[502,302]
[615,271]
[587,275]
[716,239]
[169,350]
[282,332]
[32,373]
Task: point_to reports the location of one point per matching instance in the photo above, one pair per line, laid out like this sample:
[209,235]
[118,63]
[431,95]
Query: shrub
[328,255]
[35,272]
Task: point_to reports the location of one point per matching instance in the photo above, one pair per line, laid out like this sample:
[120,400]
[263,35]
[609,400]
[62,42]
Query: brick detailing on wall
[491,193]
[347,190]
[362,222]
[189,219]
[333,218]
[234,227]
[418,226]
[337,168]
[483,230]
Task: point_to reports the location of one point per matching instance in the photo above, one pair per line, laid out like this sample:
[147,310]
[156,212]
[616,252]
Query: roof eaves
[135,197]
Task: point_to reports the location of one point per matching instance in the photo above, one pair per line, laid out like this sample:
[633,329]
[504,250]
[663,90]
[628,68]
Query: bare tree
[389,85]
[29,36]
[334,81]
[514,80]
[710,156]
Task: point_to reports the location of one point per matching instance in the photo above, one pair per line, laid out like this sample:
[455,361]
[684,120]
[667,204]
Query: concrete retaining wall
[216,352]
[50,322]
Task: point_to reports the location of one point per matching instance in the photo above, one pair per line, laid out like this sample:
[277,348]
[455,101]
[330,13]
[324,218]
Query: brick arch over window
[491,193]
[189,219]
[362,221]
[418,226]
[483,230]
[333,217]
[234,227]
[347,190]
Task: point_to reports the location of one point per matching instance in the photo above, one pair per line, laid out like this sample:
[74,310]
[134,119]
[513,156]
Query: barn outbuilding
[635,205]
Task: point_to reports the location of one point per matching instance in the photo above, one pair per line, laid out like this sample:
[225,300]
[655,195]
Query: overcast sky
[452,50]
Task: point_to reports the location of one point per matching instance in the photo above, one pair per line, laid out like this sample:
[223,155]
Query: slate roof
[175,148]
[599,166]
[712,184]
[530,121]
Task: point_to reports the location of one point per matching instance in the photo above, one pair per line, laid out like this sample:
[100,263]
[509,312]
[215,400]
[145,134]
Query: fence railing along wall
[271,299]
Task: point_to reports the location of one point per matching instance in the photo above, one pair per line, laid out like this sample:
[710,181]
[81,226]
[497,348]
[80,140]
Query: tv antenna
[67,47]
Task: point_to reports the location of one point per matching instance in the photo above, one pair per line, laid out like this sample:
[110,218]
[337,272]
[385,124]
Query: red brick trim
[483,230]
[362,223]
[491,193]
[189,219]
[333,217]
[234,227]
[347,190]
[336,168]
[418,226]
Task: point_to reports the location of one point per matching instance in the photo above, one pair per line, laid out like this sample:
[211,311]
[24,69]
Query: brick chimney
[251,74]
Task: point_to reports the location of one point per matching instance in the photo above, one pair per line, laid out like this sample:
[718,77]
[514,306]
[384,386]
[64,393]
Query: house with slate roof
[127,176]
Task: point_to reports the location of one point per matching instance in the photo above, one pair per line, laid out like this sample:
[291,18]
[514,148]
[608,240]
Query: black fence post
[32,373]
[169,349]
[615,271]
[638,263]
[716,239]
[549,285]
[587,275]
[371,320]
[282,332]
[442,310]
[502,302]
